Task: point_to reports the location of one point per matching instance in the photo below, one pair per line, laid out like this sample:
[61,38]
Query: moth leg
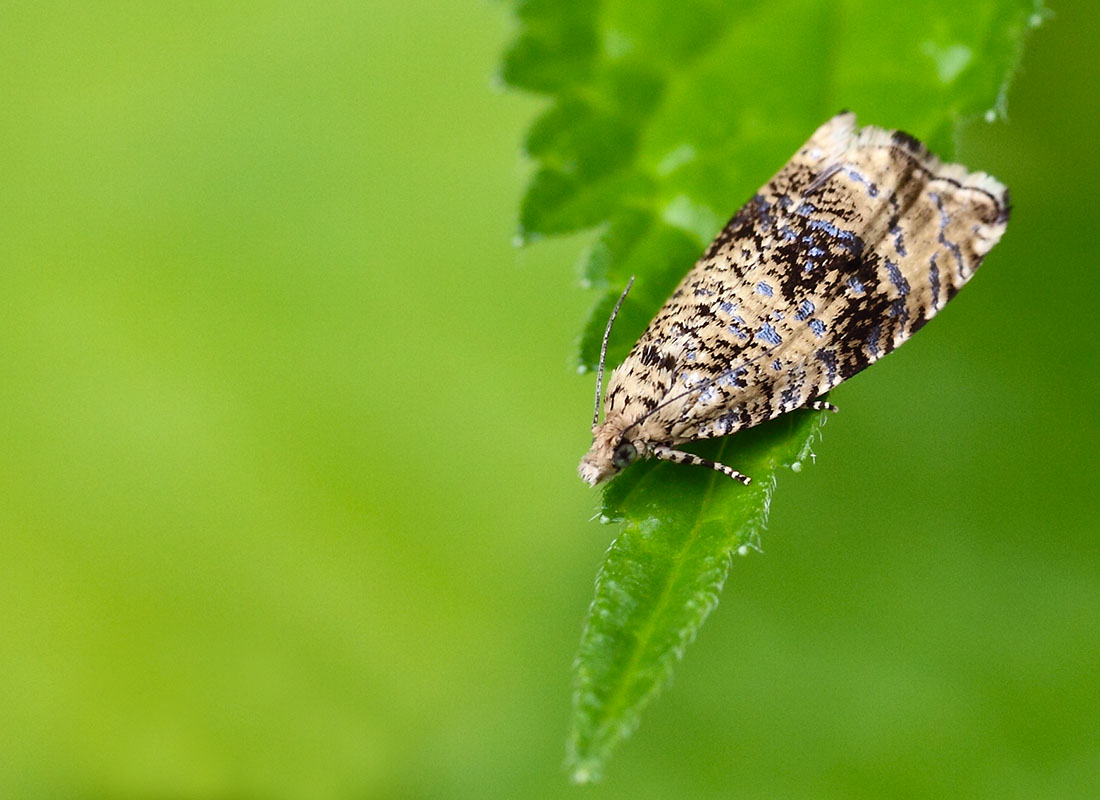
[821,405]
[680,457]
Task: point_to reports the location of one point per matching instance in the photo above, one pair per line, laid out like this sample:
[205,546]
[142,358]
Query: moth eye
[624,455]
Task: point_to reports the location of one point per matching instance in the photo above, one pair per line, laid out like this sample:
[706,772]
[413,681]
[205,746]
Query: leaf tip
[584,772]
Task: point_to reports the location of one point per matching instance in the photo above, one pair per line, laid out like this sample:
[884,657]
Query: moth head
[611,452]
[624,455]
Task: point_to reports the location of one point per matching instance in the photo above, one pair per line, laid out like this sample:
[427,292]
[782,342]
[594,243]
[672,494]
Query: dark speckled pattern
[856,243]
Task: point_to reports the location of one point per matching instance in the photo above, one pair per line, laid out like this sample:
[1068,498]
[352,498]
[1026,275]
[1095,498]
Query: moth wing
[854,244]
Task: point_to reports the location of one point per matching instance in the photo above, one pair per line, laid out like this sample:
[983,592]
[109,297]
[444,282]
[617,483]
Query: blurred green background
[288,505]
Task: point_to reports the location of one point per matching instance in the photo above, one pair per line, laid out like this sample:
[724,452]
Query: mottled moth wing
[853,245]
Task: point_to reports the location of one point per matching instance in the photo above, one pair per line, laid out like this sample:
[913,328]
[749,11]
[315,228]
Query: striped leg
[680,457]
[821,405]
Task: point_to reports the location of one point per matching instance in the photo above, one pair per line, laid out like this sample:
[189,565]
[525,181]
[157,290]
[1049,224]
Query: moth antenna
[603,350]
[820,180]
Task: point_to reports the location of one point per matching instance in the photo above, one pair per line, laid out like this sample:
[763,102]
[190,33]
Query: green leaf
[662,576]
[664,117]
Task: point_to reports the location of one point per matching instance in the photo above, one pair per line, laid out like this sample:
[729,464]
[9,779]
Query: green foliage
[665,117]
[662,576]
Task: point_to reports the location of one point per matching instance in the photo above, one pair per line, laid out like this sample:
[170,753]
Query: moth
[856,243]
